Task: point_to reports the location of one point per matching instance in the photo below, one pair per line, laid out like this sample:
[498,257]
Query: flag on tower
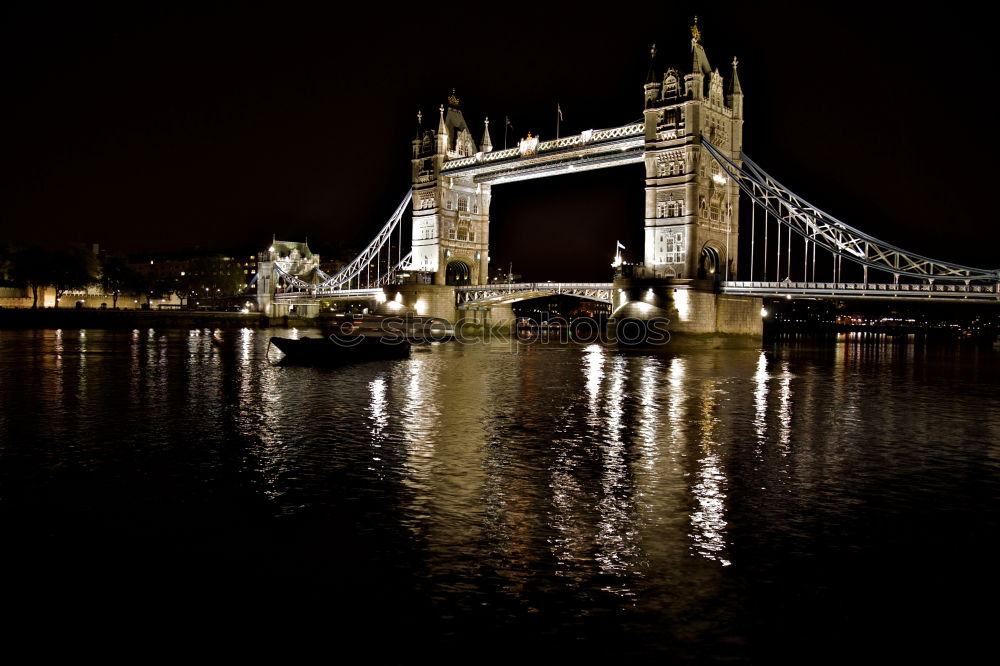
[509,124]
[620,246]
[559,111]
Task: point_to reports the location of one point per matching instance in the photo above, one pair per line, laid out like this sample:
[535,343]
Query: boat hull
[337,350]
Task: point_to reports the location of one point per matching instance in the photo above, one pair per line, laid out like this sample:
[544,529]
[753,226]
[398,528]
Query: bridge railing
[316,294]
[874,286]
[976,291]
[599,291]
[535,286]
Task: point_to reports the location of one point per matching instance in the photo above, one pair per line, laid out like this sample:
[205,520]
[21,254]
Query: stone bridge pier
[688,306]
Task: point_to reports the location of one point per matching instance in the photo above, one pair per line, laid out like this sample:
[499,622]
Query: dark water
[482,503]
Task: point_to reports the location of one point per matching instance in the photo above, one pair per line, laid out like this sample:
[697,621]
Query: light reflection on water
[502,483]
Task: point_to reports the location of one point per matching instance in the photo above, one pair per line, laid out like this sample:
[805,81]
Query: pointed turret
[486,145]
[652,88]
[734,97]
[734,85]
[459,142]
[699,64]
[419,137]
[442,133]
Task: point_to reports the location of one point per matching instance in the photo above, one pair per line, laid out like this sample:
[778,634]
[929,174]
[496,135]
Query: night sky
[159,126]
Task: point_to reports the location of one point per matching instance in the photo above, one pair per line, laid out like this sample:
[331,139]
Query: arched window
[670,85]
[475,208]
[463,235]
[463,204]
[447,204]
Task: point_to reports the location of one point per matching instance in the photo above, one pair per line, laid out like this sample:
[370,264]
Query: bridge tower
[692,208]
[450,213]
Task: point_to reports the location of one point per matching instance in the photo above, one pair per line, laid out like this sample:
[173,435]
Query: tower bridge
[697,179]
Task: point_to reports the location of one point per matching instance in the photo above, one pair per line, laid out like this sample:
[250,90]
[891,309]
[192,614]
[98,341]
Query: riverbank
[124,319]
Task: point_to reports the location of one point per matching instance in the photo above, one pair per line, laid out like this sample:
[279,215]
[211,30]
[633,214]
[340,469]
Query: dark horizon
[163,128]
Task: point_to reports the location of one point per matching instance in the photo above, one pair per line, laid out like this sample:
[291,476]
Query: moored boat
[338,348]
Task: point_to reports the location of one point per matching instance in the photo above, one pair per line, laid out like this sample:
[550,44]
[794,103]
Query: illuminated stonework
[450,212]
[691,207]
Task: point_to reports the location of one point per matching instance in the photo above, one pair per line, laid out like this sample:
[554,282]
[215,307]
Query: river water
[490,502]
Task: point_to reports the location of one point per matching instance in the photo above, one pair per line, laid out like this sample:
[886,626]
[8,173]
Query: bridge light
[763,312]
[681,303]
[719,178]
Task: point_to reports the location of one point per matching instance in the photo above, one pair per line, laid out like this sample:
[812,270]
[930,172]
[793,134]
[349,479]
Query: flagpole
[558,114]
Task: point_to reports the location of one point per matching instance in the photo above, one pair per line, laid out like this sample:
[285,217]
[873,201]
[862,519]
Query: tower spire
[735,93]
[734,85]
[486,145]
[699,59]
[651,91]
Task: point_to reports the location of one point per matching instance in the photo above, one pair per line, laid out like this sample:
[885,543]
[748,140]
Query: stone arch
[711,262]
[458,273]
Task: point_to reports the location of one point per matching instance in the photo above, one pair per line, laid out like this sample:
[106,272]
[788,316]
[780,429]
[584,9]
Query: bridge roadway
[315,294]
[482,296]
[477,297]
[851,290]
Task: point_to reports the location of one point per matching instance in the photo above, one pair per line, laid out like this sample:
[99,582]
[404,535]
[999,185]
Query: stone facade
[424,300]
[692,208]
[450,213]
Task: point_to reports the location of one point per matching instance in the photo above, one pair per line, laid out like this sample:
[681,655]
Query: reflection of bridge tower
[691,207]
[450,213]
